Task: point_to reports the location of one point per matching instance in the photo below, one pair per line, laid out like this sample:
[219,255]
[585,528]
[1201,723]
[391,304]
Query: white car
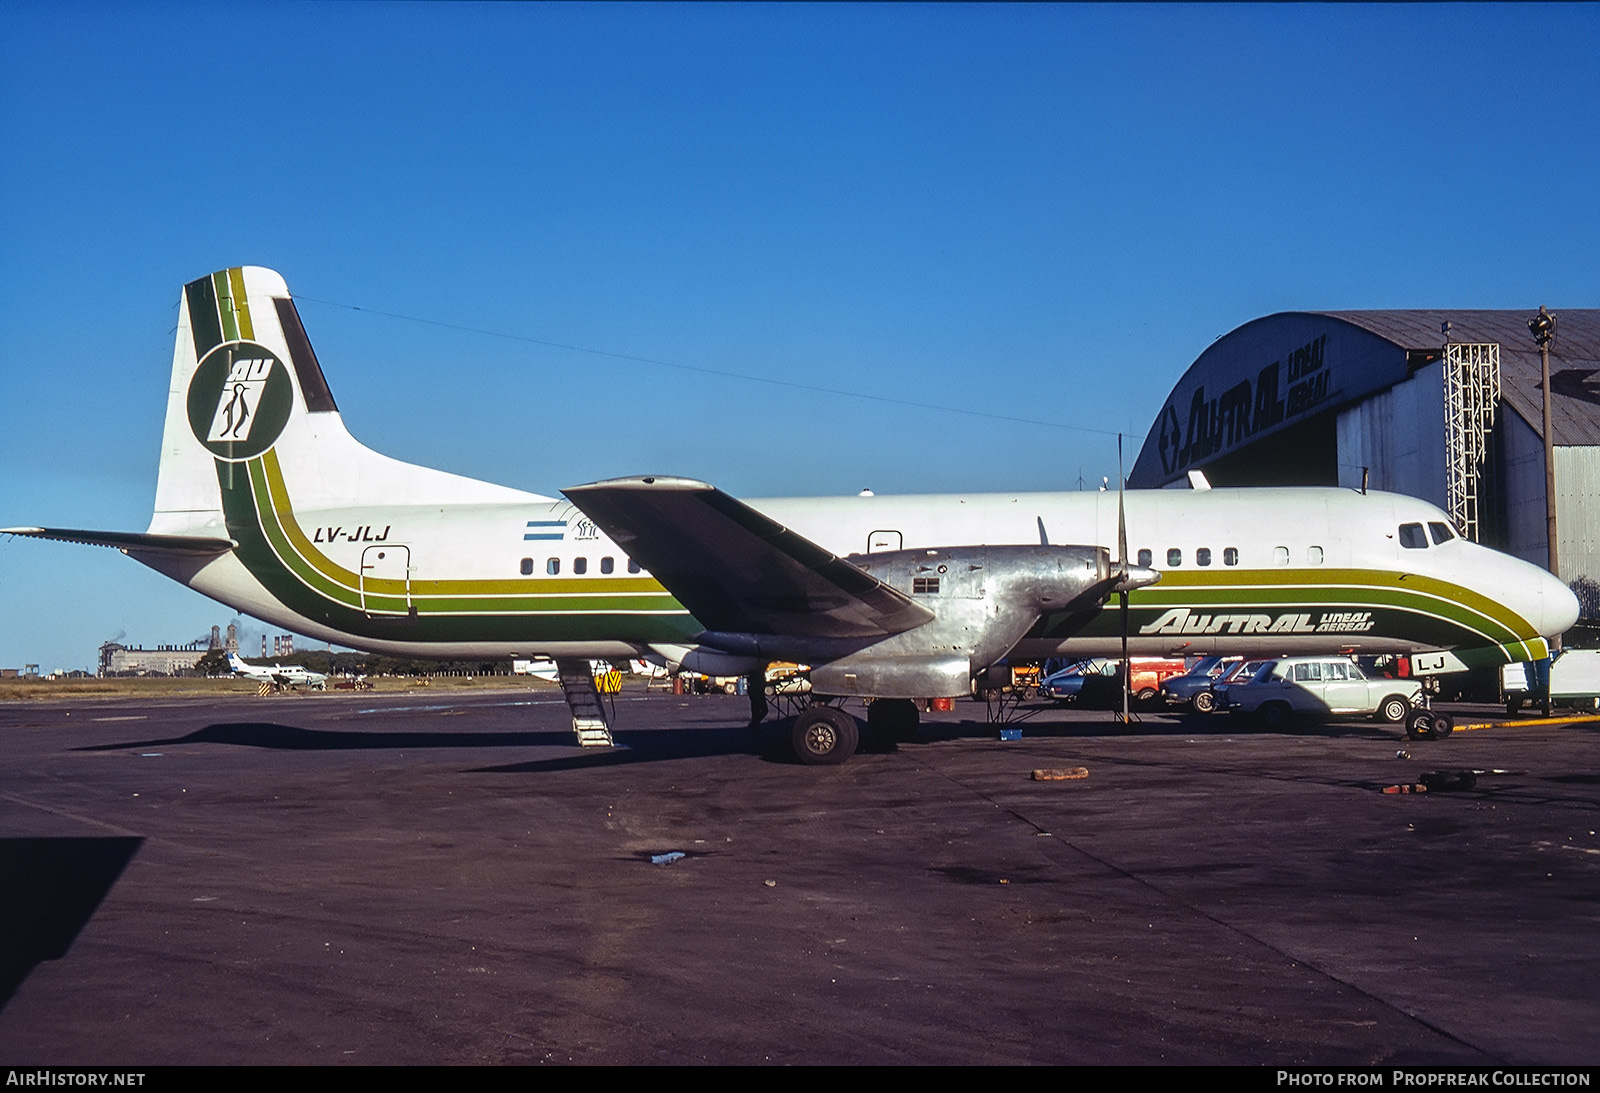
[1319,686]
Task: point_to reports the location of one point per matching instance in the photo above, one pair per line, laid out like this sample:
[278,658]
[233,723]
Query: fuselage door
[386,580]
[880,541]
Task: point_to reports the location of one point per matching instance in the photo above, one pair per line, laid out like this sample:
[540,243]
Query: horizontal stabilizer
[142,542]
[738,571]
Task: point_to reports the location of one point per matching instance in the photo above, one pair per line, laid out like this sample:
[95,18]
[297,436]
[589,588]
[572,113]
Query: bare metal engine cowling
[985,599]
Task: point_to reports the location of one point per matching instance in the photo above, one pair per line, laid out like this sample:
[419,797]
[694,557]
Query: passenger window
[1202,556]
[633,566]
[1412,537]
[580,565]
[1145,557]
[1314,555]
[1441,532]
[1174,556]
[527,567]
[553,566]
[607,565]
[1280,555]
[1308,673]
[1230,556]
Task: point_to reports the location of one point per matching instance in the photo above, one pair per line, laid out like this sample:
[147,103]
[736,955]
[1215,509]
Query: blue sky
[1044,213]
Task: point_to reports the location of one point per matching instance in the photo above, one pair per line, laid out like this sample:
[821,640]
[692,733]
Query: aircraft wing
[130,540]
[738,571]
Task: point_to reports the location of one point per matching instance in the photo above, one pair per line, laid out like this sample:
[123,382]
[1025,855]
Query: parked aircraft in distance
[265,502]
[291,675]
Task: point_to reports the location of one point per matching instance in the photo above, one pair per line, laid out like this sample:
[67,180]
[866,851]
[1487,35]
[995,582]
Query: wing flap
[738,571]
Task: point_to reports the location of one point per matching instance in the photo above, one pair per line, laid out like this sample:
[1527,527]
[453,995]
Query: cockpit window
[1441,532]
[1412,537]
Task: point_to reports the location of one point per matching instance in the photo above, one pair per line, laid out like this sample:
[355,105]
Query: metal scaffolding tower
[1471,392]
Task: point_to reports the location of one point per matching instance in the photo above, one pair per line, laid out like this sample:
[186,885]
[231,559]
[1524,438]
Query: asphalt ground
[447,879]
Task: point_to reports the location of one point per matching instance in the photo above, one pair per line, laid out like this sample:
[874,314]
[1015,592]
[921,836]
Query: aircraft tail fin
[247,387]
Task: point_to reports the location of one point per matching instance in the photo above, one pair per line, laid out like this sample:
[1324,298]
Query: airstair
[589,721]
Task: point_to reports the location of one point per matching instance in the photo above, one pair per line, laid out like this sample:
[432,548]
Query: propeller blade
[1122,594]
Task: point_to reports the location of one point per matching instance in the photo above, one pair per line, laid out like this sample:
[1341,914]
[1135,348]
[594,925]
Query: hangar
[1443,405]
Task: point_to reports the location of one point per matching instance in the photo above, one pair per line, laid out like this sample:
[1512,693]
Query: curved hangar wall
[1313,397]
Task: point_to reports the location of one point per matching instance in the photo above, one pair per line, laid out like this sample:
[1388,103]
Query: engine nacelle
[985,599]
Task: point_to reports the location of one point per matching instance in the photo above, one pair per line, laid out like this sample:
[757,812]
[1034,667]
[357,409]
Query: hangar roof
[1271,373]
[1574,358]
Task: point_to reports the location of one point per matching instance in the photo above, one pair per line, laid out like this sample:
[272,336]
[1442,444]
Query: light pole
[1543,328]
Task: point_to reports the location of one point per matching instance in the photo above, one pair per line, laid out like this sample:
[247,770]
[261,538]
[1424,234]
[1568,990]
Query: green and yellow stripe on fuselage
[278,553]
[1283,610]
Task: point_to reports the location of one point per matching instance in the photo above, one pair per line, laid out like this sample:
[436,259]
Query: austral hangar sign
[1263,377]
[1218,423]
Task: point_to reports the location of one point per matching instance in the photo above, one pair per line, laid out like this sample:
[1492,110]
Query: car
[1323,686]
[1067,684]
[1193,688]
[1237,672]
[1098,682]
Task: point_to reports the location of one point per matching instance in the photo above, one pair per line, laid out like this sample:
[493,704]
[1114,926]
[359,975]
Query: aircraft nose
[1558,606]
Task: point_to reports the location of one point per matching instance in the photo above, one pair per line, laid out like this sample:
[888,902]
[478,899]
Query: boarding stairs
[589,721]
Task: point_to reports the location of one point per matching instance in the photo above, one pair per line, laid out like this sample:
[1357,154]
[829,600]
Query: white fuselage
[1225,555]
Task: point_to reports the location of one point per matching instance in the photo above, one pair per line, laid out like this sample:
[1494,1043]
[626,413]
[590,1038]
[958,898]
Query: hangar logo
[1242,411]
[239,400]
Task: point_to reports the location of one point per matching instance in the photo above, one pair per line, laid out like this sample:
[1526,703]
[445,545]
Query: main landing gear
[825,735]
[894,719]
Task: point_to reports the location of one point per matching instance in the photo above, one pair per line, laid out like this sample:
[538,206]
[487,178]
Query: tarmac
[448,878]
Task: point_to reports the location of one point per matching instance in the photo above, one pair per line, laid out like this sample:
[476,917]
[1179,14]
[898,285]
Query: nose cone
[1559,607]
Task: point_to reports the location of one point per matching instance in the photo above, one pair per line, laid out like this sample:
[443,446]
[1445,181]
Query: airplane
[267,503]
[292,676]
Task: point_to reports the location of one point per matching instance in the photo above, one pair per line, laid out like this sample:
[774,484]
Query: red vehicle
[1144,682]
[1098,682]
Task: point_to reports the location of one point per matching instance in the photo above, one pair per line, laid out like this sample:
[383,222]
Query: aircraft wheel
[1205,702]
[1393,710]
[824,736]
[1442,724]
[894,719]
[1419,726]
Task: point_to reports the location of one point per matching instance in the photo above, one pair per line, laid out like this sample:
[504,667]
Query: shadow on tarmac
[52,888]
[770,742]
[266,734]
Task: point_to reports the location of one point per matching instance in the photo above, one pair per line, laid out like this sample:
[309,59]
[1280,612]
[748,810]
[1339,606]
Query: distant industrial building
[1442,405]
[117,659]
